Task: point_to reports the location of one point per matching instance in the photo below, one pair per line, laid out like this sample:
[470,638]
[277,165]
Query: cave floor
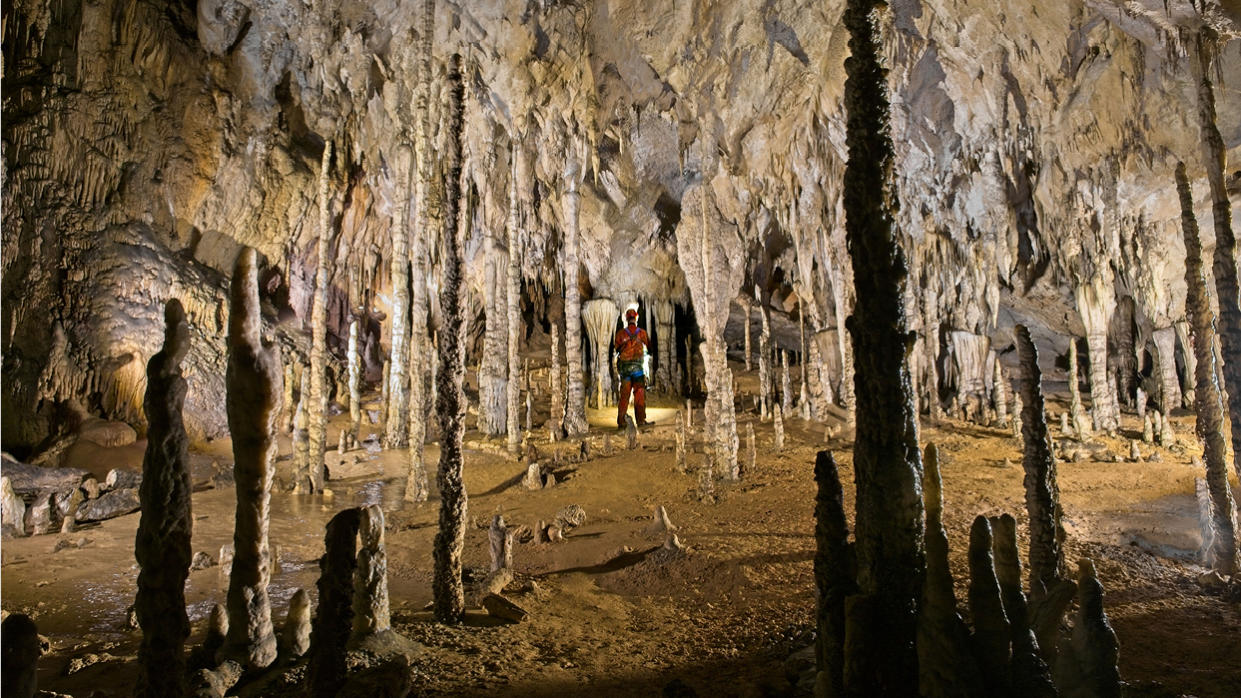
[611,613]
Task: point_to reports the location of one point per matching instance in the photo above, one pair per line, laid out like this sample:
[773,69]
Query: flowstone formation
[162,546]
[254,392]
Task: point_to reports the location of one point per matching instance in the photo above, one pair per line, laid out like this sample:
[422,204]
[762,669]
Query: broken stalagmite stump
[371,610]
[296,634]
[162,546]
[333,621]
[631,433]
[19,652]
[253,406]
[833,576]
[500,538]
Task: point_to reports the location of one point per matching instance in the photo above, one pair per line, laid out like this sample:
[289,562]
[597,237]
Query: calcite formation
[162,546]
[254,377]
[371,611]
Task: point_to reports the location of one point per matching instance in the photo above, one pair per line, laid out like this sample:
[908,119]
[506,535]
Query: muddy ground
[611,613]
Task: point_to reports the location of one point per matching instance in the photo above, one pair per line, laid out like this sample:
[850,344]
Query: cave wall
[146,142]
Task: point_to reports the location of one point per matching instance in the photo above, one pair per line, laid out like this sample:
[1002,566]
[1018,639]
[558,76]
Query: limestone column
[666,343]
[317,402]
[1081,425]
[599,316]
[253,407]
[1224,261]
[786,384]
[881,658]
[513,297]
[1095,303]
[1169,383]
[764,357]
[1208,402]
[493,364]
[162,546]
[556,386]
[575,399]
[301,443]
[355,383]
[745,305]
[449,594]
[396,431]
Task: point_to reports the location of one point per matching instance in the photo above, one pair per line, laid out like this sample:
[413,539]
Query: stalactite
[1077,415]
[162,546]
[1207,400]
[945,665]
[253,406]
[449,593]
[317,402]
[397,429]
[599,315]
[881,658]
[1224,261]
[834,565]
[575,398]
[513,304]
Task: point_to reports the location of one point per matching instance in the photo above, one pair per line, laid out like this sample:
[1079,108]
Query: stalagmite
[500,538]
[1017,424]
[301,444]
[834,566]
[786,383]
[1148,429]
[1166,436]
[1042,490]
[448,591]
[764,357]
[1169,384]
[217,632]
[162,546]
[295,638]
[397,429]
[681,438]
[1206,522]
[945,665]
[751,449]
[555,378]
[1224,260]
[20,650]
[355,384]
[1095,302]
[749,352]
[880,656]
[383,397]
[600,316]
[1030,675]
[631,433]
[253,406]
[665,344]
[371,612]
[1139,402]
[1000,392]
[288,405]
[575,392]
[333,620]
[1208,402]
[513,307]
[1078,420]
[778,427]
[316,403]
[992,632]
[1094,642]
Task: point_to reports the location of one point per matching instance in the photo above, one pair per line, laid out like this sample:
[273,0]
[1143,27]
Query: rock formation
[295,637]
[162,546]
[599,315]
[396,431]
[371,611]
[1042,491]
[880,656]
[513,306]
[834,566]
[575,391]
[1207,400]
[449,593]
[254,391]
[333,620]
[354,362]
[316,401]
[20,650]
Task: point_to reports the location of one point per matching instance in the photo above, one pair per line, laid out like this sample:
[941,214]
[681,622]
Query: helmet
[631,314]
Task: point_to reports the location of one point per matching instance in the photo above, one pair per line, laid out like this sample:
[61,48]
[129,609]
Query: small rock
[109,505]
[202,560]
[571,517]
[533,479]
[119,479]
[1155,457]
[90,486]
[1211,580]
[501,607]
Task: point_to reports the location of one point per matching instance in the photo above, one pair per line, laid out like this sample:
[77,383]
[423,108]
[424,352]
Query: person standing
[631,345]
